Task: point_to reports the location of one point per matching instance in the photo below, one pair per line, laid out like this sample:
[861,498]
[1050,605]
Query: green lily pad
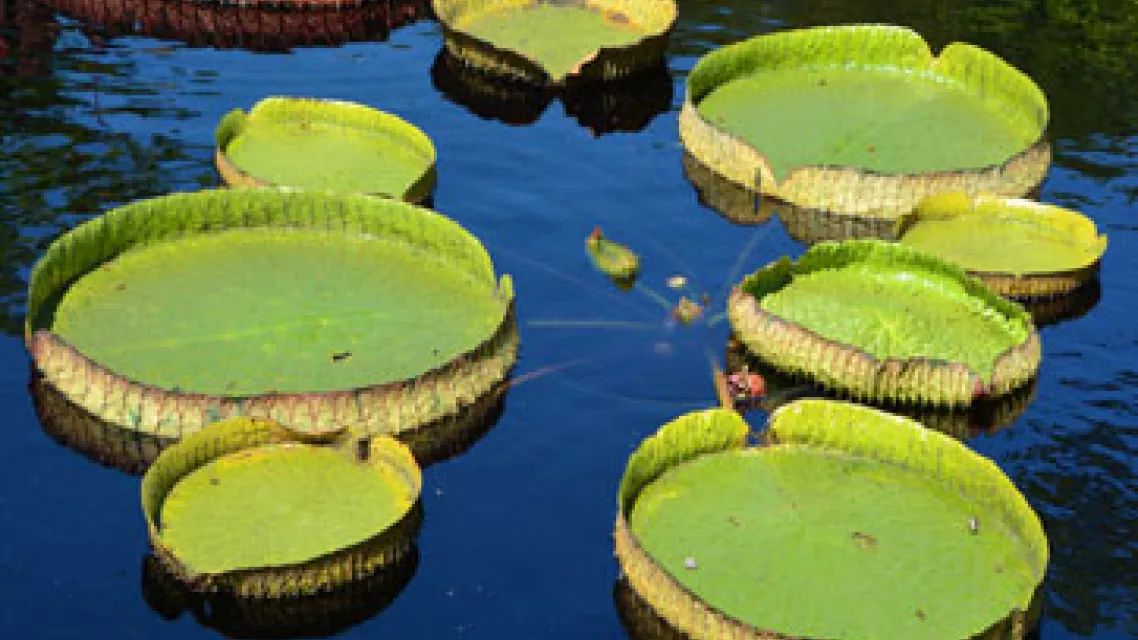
[309,308]
[246,503]
[855,306]
[171,313]
[884,120]
[864,119]
[1019,247]
[556,40]
[325,145]
[785,538]
[215,518]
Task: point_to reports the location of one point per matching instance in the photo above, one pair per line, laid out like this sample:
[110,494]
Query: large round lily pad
[549,42]
[885,322]
[249,507]
[311,309]
[863,119]
[1019,248]
[325,145]
[728,541]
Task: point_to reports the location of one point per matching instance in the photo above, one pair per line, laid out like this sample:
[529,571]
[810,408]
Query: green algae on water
[557,37]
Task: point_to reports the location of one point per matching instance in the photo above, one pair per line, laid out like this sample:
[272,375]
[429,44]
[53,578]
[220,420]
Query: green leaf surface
[557,37]
[996,235]
[278,505]
[316,155]
[249,311]
[879,118]
[820,544]
[894,310]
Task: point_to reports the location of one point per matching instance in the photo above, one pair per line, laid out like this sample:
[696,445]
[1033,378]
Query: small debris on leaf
[341,356]
[864,540]
[921,614]
[974,525]
[871,148]
[689,563]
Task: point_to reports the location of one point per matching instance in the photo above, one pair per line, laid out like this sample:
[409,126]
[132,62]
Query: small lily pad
[325,145]
[1019,248]
[548,42]
[882,321]
[611,258]
[789,534]
[251,506]
[864,119]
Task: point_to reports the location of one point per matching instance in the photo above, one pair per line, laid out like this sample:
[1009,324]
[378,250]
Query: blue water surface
[95,112]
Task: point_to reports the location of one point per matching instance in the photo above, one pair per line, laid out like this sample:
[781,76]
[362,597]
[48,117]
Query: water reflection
[265,26]
[66,149]
[132,450]
[319,615]
[626,105]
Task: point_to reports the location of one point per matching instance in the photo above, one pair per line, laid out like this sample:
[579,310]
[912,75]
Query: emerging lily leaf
[863,119]
[548,42]
[325,145]
[312,309]
[610,258]
[334,515]
[885,322]
[725,541]
[1019,248]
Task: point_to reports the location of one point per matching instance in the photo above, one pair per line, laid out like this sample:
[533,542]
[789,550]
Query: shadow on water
[258,25]
[315,616]
[132,451]
[627,105]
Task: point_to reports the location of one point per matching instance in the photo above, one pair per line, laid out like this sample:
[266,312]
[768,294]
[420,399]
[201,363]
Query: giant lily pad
[325,145]
[336,512]
[885,322]
[1019,248]
[312,309]
[549,42]
[725,541]
[863,119]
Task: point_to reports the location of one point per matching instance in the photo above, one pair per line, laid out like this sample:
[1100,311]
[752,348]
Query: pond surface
[95,112]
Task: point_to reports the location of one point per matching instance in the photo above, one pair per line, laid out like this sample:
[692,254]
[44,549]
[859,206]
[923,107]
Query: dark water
[516,531]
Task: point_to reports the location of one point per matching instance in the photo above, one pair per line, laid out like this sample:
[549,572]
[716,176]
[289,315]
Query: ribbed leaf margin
[688,436]
[851,191]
